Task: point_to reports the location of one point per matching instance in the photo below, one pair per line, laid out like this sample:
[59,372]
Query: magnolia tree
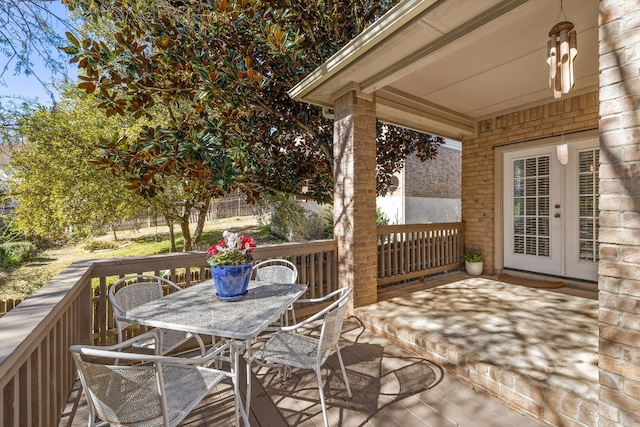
[218,74]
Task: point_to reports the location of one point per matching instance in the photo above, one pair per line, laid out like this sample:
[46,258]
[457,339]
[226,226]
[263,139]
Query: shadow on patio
[391,387]
[535,349]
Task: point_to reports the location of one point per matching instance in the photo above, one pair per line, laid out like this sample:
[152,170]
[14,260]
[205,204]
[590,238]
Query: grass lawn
[28,278]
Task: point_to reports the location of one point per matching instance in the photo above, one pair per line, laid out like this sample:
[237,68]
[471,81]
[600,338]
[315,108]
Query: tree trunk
[172,236]
[202,216]
[115,236]
[184,226]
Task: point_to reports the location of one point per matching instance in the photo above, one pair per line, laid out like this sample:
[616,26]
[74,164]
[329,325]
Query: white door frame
[499,176]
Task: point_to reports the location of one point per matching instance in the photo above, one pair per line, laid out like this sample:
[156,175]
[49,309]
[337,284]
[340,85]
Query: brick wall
[439,178]
[354,150]
[575,114]
[619,267]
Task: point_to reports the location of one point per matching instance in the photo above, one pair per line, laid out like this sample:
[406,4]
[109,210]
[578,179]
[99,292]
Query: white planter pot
[473,268]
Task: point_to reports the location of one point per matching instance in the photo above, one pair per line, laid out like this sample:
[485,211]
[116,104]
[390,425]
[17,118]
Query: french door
[551,210]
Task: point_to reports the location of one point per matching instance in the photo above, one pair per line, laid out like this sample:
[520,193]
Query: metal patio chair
[144,288]
[150,390]
[279,271]
[289,348]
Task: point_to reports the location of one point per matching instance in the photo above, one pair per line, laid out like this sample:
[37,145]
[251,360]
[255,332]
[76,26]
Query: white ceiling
[441,66]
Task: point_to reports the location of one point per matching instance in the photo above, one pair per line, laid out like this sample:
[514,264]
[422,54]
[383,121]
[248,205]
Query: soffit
[459,61]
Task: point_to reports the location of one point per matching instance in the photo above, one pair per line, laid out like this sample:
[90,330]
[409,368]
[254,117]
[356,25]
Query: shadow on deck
[391,387]
[440,357]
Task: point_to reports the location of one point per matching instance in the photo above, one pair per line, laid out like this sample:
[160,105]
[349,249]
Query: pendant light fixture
[562,49]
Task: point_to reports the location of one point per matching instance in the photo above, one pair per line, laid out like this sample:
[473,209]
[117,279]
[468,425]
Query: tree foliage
[57,187]
[221,69]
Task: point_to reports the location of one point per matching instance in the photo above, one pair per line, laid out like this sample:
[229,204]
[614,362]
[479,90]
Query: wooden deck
[391,387]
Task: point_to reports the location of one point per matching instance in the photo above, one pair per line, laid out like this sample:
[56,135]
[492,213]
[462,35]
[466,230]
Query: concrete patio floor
[534,349]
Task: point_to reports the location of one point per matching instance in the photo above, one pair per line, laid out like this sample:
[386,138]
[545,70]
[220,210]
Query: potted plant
[473,263]
[231,262]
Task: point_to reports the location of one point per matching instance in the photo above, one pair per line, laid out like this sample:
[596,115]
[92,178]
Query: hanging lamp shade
[562,49]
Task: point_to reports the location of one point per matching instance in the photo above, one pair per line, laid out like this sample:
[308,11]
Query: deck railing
[36,368]
[411,251]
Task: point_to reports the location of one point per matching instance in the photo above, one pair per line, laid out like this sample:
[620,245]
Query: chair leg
[203,350]
[344,372]
[324,408]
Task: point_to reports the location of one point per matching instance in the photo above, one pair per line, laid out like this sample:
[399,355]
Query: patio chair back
[333,320]
[276,270]
[122,394]
[132,291]
[151,390]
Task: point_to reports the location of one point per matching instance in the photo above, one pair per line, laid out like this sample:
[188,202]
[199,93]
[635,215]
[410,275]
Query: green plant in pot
[473,263]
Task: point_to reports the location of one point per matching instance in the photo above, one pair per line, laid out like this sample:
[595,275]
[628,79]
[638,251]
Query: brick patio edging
[550,404]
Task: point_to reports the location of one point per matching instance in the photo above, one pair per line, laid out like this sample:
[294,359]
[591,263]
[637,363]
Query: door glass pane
[531,206]
[589,161]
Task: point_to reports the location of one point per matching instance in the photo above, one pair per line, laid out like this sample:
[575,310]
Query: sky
[29,86]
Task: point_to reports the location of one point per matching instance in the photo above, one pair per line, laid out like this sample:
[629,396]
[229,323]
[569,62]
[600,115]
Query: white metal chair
[277,270]
[155,391]
[132,291]
[290,348]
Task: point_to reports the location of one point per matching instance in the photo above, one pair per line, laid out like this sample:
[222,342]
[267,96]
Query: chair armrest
[319,299]
[128,343]
[110,352]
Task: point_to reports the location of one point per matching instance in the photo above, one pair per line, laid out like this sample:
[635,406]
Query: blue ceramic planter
[231,281]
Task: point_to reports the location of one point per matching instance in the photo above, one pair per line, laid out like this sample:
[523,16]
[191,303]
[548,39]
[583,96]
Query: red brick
[588,413]
[610,317]
[609,412]
[620,400]
[619,367]
[613,334]
[631,354]
[632,389]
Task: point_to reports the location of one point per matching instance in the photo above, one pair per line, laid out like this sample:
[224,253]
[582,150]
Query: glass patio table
[196,309]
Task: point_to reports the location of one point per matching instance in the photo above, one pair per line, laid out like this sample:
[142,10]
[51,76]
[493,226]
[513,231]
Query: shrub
[328,225]
[14,253]
[101,245]
[381,217]
[290,220]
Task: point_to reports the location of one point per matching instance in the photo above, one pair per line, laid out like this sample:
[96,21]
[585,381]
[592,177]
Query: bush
[14,253]
[290,220]
[101,245]
[381,218]
[328,225]
[9,231]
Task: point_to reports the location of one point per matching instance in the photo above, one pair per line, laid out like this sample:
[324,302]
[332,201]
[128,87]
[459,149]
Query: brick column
[354,151]
[619,268]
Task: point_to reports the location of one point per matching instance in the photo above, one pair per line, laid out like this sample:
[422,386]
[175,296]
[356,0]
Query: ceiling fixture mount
[562,49]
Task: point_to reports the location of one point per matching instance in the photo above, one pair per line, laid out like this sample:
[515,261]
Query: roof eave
[396,18]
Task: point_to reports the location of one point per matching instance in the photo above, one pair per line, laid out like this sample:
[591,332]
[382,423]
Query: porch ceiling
[440,66]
